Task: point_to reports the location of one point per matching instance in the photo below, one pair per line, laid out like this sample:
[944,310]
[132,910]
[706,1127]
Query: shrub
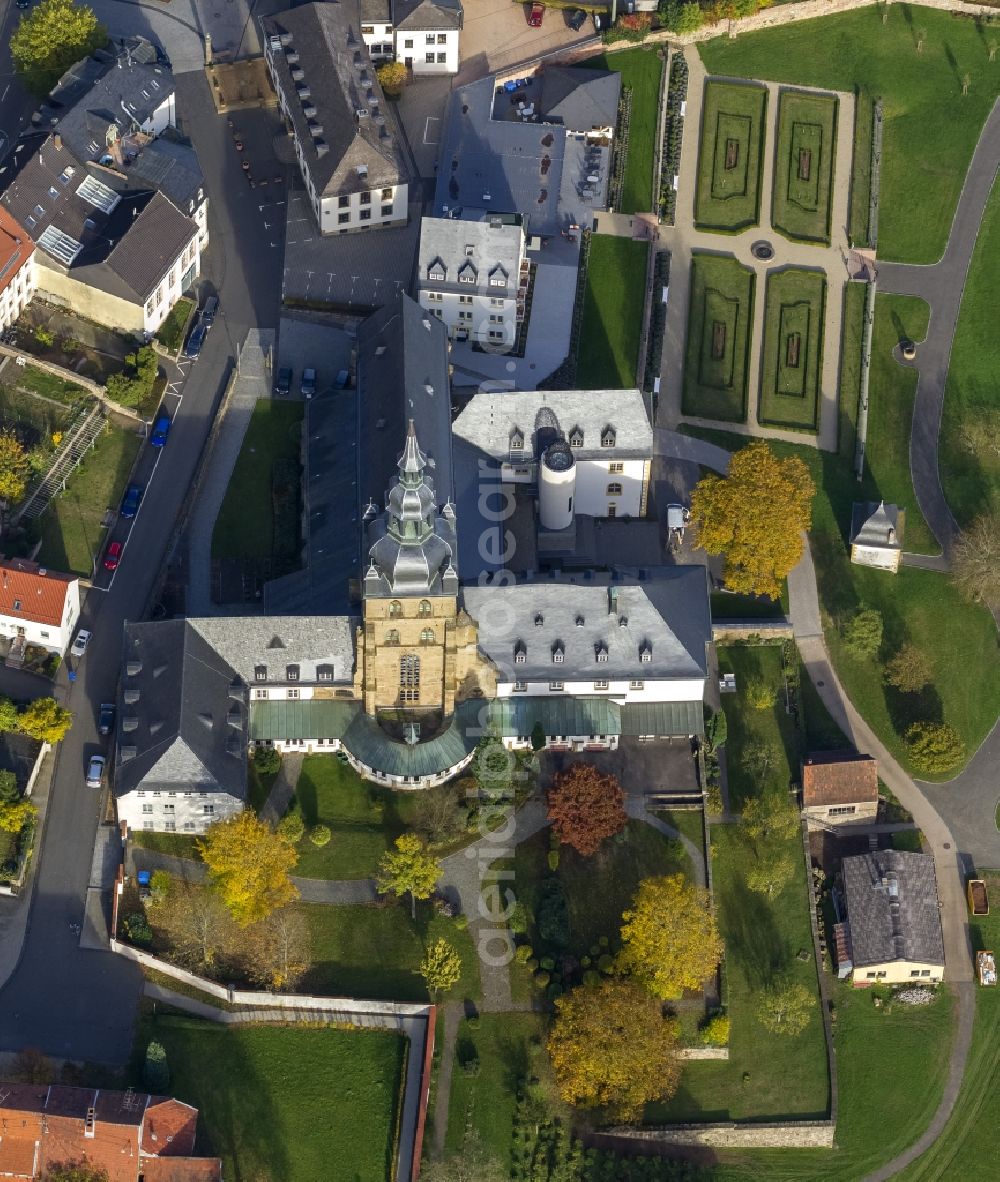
[553,860]
[267,760]
[320,835]
[155,1072]
[863,632]
[760,695]
[715,1032]
[934,746]
[547,963]
[522,954]
[531,964]
[606,963]
[45,338]
[909,670]
[461,922]
[137,929]
[591,977]
[471,1065]
[542,978]
[392,78]
[518,919]
[553,915]
[538,738]
[292,826]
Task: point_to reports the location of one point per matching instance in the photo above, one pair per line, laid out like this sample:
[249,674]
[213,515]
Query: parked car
[307,387]
[284,383]
[95,771]
[602,21]
[577,19]
[24,4]
[106,718]
[130,501]
[208,312]
[196,338]
[535,16]
[161,429]
[113,556]
[79,645]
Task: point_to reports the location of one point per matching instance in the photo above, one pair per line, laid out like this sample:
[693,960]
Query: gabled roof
[876,524]
[487,242]
[579,99]
[172,168]
[308,643]
[427,14]
[16,248]
[149,248]
[839,777]
[32,592]
[892,908]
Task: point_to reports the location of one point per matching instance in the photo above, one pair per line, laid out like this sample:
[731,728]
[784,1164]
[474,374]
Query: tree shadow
[752,936]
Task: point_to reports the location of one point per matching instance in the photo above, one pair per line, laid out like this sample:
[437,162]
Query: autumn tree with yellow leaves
[670,941]
[611,1046]
[754,518]
[408,870]
[248,867]
[14,467]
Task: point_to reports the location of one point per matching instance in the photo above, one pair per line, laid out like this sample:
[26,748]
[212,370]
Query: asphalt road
[15,105]
[64,1000]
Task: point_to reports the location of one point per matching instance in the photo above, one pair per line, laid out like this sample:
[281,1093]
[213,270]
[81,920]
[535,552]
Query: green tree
[75,1172]
[15,467]
[50,39]
[9,793]
[320,835]
[441,967]
[408,870]
[292,827]
[276,951]
[538,737]
[758,758]
[45,720]
[785,1008]
[934,746]
[10,717]
[770,817]
[439,815]
[134,383]
[155,1072]
[863,632]
[30,1066]
[267,760]
[15,815]
[771,874]
[716,730]
[909,670]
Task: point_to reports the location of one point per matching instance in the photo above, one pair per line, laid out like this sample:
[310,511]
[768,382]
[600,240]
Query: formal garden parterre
[720,320]
[792,356]
[804,165]
[730,158]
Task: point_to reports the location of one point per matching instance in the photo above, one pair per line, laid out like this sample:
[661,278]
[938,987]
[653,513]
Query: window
[429,59]
[465,315]
[425,607]
[427,636]
[601,653]
[880,973]
[260,695]
[600,685]
[464,299]
[292,694]
[392,636]
[520,655]
[343,218]
[366,215]
[292,672]
[408,43]
[343,201]
[496,303]
[442,59]
[520,687]
[636,685]
[366,198]
[925,972]
[645,652]
[430,39]
[555,686]
[496,334]
[496,318]
[614,489]
[387,194]
[608,437]
[914,972]
[147,808]
[324,673]
[386,211]
[368,30]
[870,976]
[844,810]
[616,468]
[516,440]
[442,39]
[208,810]
[168,808]
[576,437]
[170,826]
[260,672]
[409,678]
[558,653]
[44,635]
[189,826]
[395,608]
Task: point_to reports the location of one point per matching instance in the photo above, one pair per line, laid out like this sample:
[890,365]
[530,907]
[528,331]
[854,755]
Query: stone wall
[689,1054]
[794,1134]
[771,629]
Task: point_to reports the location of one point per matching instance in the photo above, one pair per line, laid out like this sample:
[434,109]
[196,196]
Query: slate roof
[668,614]
[172,168]
[150,246]
[403,375]
[16,248]
[490,418]
[473,245]
[839,777]
[275,642]
[339,72]
[32,592]
[428,14]
[182,718]
[892,908]
[876,524]
[376,11]
[579,99]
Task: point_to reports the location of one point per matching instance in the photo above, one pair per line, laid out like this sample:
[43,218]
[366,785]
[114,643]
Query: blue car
[195,341]
[161,429]
[130,501]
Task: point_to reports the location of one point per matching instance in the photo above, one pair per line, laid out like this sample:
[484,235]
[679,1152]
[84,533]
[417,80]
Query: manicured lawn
[718,343]
[850,369]
[686,821]
[766,1075]
[970,437]
[258,787]
[612,313]
[729,156]
[969,1138]
[821,732]
[930,127]
[726,605]
[178,845]
[804,165]
[861,169]
[259,518]
[72,527]
[285,1102]
[641,70]
[891,390]
[487,1101]
[170,334]
[596,889]
[369,951]
[49,385]
[793,349]
[920,606]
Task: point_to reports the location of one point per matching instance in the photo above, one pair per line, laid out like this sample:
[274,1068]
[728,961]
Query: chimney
[612,601]
[892,534]
[57,142]
[208,49]
[90,1123]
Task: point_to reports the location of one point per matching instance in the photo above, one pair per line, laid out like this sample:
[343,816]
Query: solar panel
[98,194]
[54,242]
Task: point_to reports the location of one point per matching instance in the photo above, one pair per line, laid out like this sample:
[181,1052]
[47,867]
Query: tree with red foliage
[585,807]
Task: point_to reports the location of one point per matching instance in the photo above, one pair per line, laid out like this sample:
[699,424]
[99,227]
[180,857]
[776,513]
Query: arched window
[427,636]
[392,636]
[425,607]
[395,608]
[409,678]
[614,489]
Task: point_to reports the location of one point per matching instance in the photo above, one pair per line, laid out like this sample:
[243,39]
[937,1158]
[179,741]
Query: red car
[113,556]
[535,18]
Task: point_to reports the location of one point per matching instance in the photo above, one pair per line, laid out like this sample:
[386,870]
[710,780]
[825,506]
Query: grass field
[368,951]
[804,163]
[285,1102]
[930,127]
[245,527]
[970,429]
[792,355]
[861,168]
[72,527]
[958,637]
[729,157]
[852,327]
[641,70]
[170,334]
[718,345]
[612,313]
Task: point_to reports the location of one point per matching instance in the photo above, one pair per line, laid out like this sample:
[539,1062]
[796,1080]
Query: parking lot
[496,34]
[304,344]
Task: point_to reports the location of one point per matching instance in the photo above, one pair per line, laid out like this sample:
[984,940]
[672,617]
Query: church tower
[411,640]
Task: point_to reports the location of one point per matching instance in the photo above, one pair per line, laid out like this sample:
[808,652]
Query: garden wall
[793,1134]
[770,629]
[690,1054]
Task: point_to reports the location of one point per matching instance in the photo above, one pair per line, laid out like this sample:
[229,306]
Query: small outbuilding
[877,534]
[839,787]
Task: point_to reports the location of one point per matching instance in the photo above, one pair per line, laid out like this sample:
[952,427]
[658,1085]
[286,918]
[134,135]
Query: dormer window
[260,672]
[324,673]
[520,653]
[470,250]
[436,271]
[539,619]
[558,653]
[576,437]
[601,652]
[645,652]
[608,437]
[517,440]
[291,672]
[579,621]
[467,274]
[498,277]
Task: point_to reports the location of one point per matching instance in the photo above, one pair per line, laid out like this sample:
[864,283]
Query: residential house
[839,787]
[37,606]
[893,919]
[472,273]
[119,255]
[877,535]
[347,140]
[124,1136]
[421,34]
[17,269]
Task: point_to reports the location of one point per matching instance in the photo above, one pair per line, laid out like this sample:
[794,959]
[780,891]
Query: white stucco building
[37,606]
[421,34]
[17,269]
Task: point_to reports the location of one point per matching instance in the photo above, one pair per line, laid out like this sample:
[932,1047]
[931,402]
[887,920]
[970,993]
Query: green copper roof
[312,718]
[663,718]
[558,716]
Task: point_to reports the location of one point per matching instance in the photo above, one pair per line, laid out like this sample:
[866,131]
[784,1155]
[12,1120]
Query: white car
[95,771]
[79,645]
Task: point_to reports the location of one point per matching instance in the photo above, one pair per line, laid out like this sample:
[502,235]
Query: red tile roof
[31,592]
[169,1128]
[839,777]
[16,248]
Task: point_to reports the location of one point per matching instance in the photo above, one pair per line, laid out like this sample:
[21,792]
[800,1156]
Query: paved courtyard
[496,34]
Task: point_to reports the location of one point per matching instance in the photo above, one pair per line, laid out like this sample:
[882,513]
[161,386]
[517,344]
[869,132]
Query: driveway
[496,34]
